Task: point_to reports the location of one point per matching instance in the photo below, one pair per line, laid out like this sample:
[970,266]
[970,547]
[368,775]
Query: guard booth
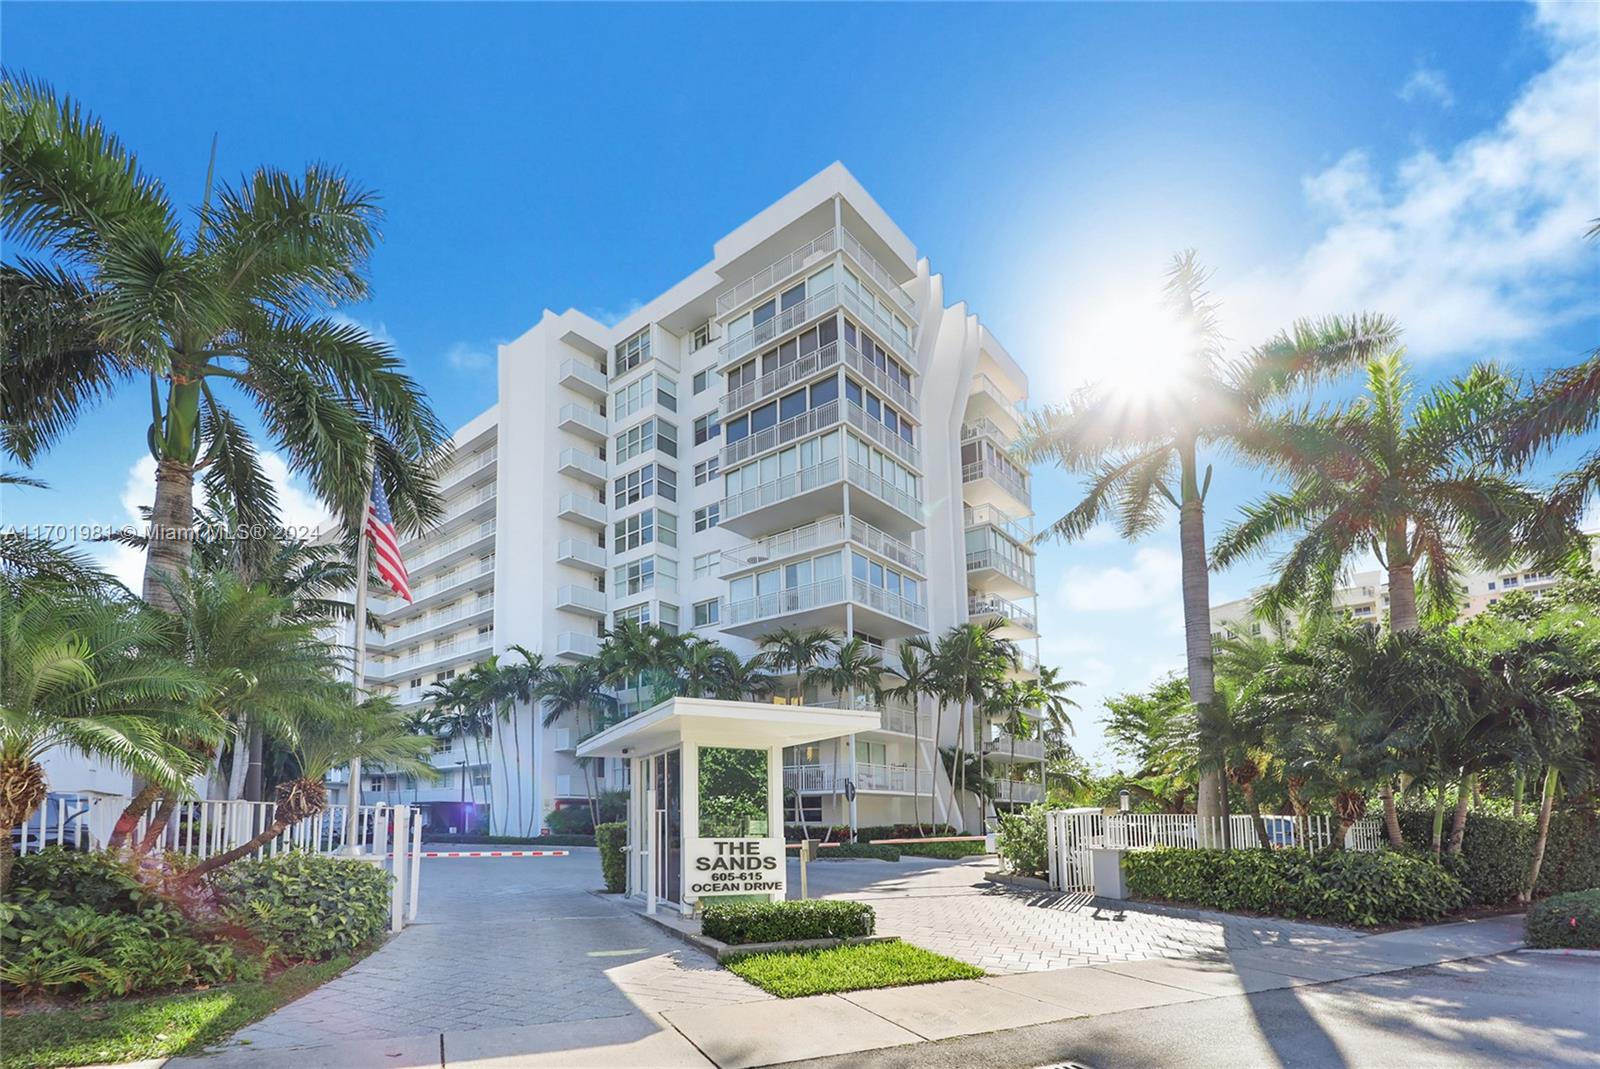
[705,810]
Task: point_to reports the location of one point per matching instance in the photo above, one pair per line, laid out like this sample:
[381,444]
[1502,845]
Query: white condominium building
[800,433]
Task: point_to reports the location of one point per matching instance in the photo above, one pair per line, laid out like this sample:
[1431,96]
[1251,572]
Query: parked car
[66,820]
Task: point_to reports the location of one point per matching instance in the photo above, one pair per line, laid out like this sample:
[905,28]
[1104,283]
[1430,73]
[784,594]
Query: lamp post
[1123,799]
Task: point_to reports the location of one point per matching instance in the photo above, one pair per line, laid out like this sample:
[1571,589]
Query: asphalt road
[1505,1012]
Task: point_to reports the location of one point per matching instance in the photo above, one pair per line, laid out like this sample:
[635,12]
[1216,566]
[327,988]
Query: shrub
[570,820]
[98,881]
[772,922]
[947,851]
[857,850]
[902,831]
[306,906]
[1497,851]
[612,839]
[1569,920]
[1366,889]
[1572,856]
[794,833]
[1021,842]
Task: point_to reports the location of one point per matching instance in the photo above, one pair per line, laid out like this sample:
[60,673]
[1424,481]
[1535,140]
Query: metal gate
[1071,834]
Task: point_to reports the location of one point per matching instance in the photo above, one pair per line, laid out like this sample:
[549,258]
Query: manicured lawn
[849,968]
[130,1029]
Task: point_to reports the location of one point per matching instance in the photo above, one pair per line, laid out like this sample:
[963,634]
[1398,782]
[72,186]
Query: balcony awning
[707,722]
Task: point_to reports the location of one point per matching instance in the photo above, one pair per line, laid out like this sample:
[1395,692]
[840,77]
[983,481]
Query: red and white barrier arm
[490,853]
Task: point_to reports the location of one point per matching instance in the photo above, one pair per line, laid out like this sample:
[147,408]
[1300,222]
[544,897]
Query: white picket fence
[389,835]
[1073,833]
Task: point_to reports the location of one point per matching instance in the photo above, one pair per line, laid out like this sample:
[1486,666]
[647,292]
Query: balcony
[581,599]
[878,779]
[582,464]
[1019,622]
[475,505]
[582,508]
[468,468]
[880,380]
[985,397]
[580,554]
[983,427]
[440,656]
[895,717]
[478,575]
[823,533]
[1020,792]
[577,646]
[775,382]
[999,569]
[790,319]
[781,434]
[583,376]
[1027,666]
[882,436]
[791,500]
[989,481]
[452,549]
[1008,747]
[820,604]
[433,621]
[889,604]
[562,739]
[883,327]
[780,270]
[1018,530]
[582,420]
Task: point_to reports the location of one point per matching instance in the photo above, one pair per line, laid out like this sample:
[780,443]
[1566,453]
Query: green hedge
[772,922]
[847,851]
[948,851]
[901,831]
[1021,842]
[1569,920]
[1366,889]
[307,906]
[1496,852]
[612,839]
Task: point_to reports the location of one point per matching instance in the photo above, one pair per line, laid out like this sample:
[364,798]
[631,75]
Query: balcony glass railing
[577,644]
[1010,745]
[824,533]
[1004,475]
[459,577]
[581,506]
[572,596]
[888,603]
[993,605]
[583,462]
[981,560]
[984,427]
[780,379]
[781,434]
[471,466]
[783,602]
[885,491]
[570,550]
[415,562]
[457,509]
[882,436]
[1019,531]
[792,318]
[433,620]
[572,415]
[797,260]
[1010,790]
[585,372]
[444,651]
[780,489]
[984,386]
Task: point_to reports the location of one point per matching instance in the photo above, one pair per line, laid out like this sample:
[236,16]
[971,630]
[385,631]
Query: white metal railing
[857,361]
[981,515]
[1131,831]
[582,505]
[983,385]
[853,248]
[881,488]
[779,379]
[882,326]
[583,461]
[780,489]
[883,436]
[573,549]
[784,267]
[1010,479]
[896,716]
[415,562]
[576,644]
[791,318]
[896,779]
[1011,790]
[434,619]
[1009,745]
[994,605]
[823,533]
[473,465]
[585,372]
[781,434]
[984,427]
[444,651]
[795,599]
[570,595]
[891,604]
[980,560]
[459,577]
[457,510]
[583,416]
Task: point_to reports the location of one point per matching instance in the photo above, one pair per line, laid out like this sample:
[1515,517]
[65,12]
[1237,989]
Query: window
[706,470]
[702,380]
[656,389]
[669,617]
[708,517]
[639,614]
[808,808]
[872,465]
[700,338]
[651,434]
[1491,584]
[868,571]
[706,612]
[784,462]
[878,410]
[645,574]
[1508,581]
[650,479]
[633,352]
[705,564]
[642,528]
[706,428]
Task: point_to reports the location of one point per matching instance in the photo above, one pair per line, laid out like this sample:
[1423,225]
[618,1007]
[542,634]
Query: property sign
[736,867]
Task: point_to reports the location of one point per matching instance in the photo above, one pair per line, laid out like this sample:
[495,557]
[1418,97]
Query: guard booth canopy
[705,808]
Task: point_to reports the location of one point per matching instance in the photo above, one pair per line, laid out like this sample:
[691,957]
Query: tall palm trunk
[933,792]
[171,532]
[1438,815]
[22,790]
[1197,619]
[1547,800]
[1519,787]
[1458,826]
[297,800]
[132,814]
[1402,617]
[1391,815]
[916,761]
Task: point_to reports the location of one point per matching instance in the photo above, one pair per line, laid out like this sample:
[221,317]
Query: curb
[720,951]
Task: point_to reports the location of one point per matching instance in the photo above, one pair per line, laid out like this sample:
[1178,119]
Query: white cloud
[464,357]
[1477,247]
[1152,580]
[1427,84]
[612,316]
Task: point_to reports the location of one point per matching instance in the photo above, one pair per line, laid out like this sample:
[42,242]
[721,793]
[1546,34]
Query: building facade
[801,433]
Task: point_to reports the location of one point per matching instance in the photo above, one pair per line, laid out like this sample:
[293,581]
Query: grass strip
[849,968]
[161,1026]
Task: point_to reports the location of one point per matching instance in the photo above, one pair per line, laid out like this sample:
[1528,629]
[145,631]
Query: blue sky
[1437,162]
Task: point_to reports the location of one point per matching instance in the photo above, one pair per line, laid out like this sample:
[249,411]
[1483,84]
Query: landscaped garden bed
[1569,920]
[794,974]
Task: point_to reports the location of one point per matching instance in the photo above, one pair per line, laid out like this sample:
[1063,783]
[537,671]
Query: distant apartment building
[800,433]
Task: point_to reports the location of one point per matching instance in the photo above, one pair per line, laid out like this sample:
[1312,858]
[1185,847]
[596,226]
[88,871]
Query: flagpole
[358,669]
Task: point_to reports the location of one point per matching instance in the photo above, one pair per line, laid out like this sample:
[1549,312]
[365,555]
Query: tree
[743,679]
[1144,454]
[235,306]
[376,731]
[918,679]
[1564,404]
[852,670]
[1049,696]
[638,655]
[576,689]
[86,672]
[1151,729]
[797,650]
[455,713]
[971,662]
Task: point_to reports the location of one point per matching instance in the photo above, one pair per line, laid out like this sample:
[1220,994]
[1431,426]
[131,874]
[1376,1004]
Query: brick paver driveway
[948,907]
[502,942]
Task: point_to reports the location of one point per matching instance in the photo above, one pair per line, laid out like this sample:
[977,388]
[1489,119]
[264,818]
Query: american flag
[385,544]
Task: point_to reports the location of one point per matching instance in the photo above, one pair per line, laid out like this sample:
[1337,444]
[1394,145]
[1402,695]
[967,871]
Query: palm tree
[455,713]
[236,304]
[1564,404]
[1411,483]
[634,654]
[577,689]
[853,670]
[375,731]
[744,679]
[1143,455]
[971,662]
[85,672]
[915,670]
[796,650]
[704,668]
